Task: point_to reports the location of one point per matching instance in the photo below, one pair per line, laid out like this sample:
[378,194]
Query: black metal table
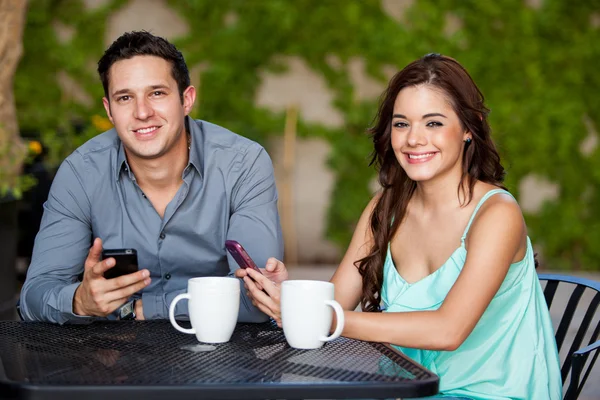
[150,359]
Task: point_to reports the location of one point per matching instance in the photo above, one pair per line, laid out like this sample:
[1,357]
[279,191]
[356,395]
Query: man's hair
[142,43]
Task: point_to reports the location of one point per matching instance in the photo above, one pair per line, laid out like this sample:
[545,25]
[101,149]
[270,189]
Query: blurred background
[303,77]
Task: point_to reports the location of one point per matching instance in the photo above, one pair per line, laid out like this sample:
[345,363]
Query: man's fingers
[102,266]
[95,252]
[126,292]
[128,280]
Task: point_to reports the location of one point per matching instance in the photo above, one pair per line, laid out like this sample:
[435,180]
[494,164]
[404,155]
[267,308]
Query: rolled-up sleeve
[254,222]
[60,250]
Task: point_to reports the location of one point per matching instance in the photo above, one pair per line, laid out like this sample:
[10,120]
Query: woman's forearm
[420,329]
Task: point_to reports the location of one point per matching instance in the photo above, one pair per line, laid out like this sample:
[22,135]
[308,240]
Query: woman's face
[427,136]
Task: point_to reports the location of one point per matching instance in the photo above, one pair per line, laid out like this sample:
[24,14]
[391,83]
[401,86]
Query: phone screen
[240,255]
[126,262]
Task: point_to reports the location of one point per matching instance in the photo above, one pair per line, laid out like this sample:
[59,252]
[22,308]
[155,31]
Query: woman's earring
[468,140]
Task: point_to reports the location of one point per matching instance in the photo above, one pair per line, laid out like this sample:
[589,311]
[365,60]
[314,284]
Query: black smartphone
[126,262]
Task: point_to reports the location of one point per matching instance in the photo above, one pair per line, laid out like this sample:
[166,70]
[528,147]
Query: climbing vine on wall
[536,66]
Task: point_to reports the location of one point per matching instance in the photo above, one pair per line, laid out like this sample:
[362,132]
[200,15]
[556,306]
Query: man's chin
[145,153]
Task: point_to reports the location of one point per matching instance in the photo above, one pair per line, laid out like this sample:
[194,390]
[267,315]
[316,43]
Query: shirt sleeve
[61,247]
[157,306]
[254,222]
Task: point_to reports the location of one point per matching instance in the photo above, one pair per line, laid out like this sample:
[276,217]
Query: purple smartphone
[240,255]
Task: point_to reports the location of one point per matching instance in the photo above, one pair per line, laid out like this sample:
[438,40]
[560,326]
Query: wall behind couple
[302,77]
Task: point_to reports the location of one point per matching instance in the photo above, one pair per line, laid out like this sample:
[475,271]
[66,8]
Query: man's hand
[97,296]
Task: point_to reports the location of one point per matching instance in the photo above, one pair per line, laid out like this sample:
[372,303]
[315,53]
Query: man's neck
[164,172]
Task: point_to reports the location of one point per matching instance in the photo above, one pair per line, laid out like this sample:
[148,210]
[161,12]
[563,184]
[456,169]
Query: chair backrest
[582,297]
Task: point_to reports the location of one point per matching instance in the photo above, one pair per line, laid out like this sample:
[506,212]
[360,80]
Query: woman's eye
[400,124]
[434,124]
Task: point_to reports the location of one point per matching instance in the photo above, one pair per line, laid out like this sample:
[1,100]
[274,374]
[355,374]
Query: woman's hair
[480,159]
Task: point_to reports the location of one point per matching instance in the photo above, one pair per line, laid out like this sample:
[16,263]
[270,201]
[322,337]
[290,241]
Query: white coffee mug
[306,313]
[214,304]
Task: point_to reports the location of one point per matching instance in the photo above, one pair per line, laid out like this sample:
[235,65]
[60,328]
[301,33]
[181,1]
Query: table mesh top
[153,353]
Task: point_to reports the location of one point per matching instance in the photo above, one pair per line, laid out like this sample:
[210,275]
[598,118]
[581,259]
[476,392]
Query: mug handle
[339,313]
[172,314]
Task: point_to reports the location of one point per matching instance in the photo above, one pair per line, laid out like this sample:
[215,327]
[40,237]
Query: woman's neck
[440,195]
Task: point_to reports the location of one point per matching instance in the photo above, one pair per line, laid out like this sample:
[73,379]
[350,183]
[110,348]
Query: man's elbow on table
[27,303]
[45,302]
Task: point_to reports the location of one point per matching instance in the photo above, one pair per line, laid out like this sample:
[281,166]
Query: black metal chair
[577,357]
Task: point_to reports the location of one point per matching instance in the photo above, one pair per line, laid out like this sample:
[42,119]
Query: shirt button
[162,235]
[168,276]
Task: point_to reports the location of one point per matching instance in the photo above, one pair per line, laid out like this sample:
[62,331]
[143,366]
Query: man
[159,182]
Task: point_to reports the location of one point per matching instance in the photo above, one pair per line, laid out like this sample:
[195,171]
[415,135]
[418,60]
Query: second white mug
[306,313]
[214,304]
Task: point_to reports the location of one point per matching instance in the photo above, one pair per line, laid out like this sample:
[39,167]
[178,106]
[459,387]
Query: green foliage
[43,110]
[537,68]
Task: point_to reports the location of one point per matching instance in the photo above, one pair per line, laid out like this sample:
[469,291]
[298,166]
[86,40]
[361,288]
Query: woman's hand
[264,289]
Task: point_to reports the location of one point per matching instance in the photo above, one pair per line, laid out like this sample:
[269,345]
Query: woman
[443,249]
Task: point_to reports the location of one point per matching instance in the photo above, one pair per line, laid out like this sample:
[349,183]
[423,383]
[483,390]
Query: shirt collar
[197,136]
[196,156]
[121,161]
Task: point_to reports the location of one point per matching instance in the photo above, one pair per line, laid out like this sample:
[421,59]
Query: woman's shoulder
[498,221]
[496,206]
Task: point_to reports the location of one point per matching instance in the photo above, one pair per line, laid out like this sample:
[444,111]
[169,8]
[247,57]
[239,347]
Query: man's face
[145,107]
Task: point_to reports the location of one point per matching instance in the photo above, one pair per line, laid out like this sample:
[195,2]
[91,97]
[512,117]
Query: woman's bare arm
[497,235]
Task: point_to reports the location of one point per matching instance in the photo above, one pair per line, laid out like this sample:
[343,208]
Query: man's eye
[432,124]
[158,93]
[123,98]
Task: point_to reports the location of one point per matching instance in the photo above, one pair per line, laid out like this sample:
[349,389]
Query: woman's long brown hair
[480,159]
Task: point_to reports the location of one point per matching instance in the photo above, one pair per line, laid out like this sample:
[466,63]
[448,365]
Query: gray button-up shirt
[228,192]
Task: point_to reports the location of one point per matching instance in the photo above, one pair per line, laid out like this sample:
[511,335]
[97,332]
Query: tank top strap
[483,200]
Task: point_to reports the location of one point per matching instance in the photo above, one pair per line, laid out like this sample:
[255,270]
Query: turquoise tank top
[510,354]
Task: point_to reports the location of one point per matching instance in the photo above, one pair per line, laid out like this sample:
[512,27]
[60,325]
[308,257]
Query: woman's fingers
[269,304]
[270,313]
[276,270]
[264,293]
[264,283]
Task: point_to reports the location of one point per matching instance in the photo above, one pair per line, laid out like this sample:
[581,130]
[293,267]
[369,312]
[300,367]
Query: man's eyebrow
[152,87]
[122,91]
[424,116]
